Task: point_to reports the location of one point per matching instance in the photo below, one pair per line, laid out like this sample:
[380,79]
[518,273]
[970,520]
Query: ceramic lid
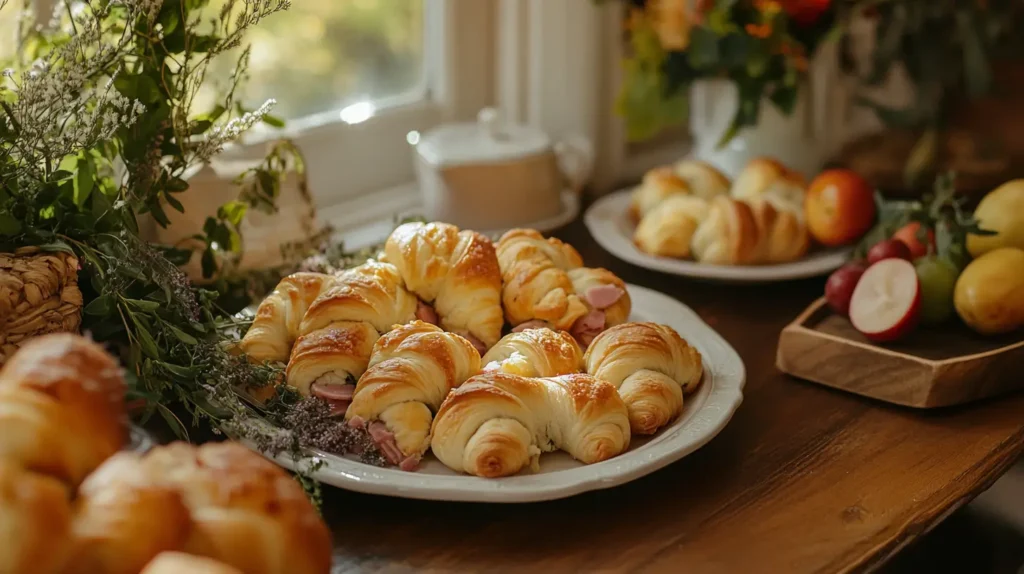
[489,139]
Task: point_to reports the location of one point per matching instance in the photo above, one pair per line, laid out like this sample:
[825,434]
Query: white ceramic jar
[495,175]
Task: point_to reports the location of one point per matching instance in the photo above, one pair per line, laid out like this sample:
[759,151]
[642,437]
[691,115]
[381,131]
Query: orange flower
[671,21]
[759,30]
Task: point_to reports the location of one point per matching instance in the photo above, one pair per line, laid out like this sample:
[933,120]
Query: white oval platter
[705,414]
[609,224]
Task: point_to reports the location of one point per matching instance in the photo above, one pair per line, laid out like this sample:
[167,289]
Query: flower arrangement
[762,46]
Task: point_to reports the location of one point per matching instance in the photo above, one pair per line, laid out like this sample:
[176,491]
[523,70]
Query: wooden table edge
[991,469]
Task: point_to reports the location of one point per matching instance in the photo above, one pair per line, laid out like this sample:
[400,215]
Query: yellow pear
[1002,211]
[989,294]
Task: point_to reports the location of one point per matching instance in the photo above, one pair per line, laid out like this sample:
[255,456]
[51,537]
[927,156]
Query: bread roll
[668,229]
[35,515]
[276,325]
[62,408]
[496,424]
[704,180]
[727,235]
[766,178]
[124,516]
[411,371]
[535,280]
[246,511]
[782,236]
[658,185]
[181,563]
[651,366]
[454,271]
[535,353]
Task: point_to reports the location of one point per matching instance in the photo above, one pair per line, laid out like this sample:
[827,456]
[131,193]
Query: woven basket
[38,295]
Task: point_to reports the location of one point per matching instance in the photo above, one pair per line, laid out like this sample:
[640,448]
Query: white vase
[789,139]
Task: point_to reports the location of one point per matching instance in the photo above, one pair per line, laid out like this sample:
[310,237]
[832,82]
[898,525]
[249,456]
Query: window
[321,58]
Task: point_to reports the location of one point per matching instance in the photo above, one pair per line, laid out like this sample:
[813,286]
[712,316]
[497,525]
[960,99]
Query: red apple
[909,234]
[887,301]
[840,285]
[889,248]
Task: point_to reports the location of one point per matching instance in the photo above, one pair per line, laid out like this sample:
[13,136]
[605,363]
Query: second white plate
[705,414]
[609,224]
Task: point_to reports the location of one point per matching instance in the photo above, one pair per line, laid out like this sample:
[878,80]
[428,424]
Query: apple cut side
[886,303]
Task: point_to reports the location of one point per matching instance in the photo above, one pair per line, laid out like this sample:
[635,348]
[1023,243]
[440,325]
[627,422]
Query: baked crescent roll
[372,293]
[411,371]
[35,515]
[606,298]
[767,178]
[246,511]
[62,407]
[496,424]
[782,236]
[535,353]
[123,517]
[276,325]
[727,235]
[536,283]
[327,363]
[454,271]
[705,180]
[180,563]
[651,366]
[657,185]
[667,229]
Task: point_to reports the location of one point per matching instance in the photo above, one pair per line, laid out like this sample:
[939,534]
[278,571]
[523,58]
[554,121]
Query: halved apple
[887,300]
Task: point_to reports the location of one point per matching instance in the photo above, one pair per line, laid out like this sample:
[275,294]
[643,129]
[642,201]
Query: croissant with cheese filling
[535,353]
[496,424]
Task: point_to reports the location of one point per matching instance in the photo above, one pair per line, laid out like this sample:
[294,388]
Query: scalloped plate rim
[607,215]
[717,399]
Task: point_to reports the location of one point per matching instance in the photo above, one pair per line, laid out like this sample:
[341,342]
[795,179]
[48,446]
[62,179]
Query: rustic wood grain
[804,479]
[933,367]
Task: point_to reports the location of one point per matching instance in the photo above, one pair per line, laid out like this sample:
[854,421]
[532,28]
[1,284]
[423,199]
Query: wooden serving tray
[931,368]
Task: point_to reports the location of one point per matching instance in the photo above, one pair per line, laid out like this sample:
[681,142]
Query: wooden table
[804,478]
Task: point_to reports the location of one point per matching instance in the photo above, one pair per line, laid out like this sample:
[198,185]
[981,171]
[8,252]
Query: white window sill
[368,219]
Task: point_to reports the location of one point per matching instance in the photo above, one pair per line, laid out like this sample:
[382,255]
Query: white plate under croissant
[688,219]
[705,413]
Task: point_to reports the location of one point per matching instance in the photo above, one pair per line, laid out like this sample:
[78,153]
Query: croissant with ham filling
[456,276]
[535,280]
[535,353]
[608,303]
[496,424]
[326,363]
[411,371]
[651,366]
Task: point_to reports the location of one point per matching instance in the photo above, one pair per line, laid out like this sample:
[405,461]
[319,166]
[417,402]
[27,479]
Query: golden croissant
[657,185]
[651,366]
[537,352]
[276,325]
[728,234]
[372,293]
[326,363]
[496,424]
[180,563]
[412,369]
[769,179]
[668,228]
[704,180]
[604,294]
[455,274]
